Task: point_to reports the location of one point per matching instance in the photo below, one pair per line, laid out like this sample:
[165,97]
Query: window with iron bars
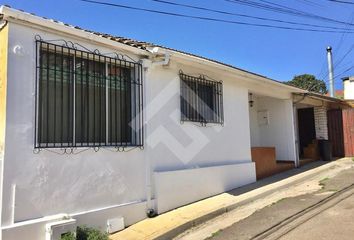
[201,100]
[85,99]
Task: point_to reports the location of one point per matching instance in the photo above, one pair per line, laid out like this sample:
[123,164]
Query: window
[85,99]
[201,100]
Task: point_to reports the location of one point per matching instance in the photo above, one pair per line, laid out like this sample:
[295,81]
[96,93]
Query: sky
[276,53]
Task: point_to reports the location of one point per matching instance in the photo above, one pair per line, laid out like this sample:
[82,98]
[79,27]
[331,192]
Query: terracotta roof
[338,93]
[139,44]
[145,45]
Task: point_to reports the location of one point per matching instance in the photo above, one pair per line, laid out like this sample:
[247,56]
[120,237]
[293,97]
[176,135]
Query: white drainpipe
[146,63]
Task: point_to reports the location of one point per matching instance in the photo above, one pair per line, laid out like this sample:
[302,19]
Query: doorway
[306,126]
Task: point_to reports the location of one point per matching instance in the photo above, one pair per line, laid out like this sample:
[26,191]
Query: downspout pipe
[147,65]
[150,208]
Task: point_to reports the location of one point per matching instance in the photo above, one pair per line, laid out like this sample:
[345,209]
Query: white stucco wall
[254,126]
[48,183]
[349,88]
[80,185]
[279,132]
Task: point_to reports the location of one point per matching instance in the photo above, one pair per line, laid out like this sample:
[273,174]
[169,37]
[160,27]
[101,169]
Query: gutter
[319,97]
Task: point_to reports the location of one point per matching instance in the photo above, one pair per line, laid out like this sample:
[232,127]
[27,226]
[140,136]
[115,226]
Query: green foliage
[85,233]
[68,236]
[309,82]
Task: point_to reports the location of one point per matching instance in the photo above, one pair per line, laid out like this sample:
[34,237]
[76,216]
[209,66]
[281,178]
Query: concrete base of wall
[178,188]
[36,229]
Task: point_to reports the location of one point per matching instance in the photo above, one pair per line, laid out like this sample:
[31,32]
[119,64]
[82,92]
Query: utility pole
[330,71]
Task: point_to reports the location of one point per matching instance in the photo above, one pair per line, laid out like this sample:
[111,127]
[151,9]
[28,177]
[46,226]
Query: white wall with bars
[85,99]
[83,184]
[55,181]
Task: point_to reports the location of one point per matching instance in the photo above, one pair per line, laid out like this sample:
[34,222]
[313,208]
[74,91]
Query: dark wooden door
[348,127]
[306,123]
[335,131]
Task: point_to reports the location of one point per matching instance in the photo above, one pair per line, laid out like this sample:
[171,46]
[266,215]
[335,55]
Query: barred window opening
[201,100]
[84,99]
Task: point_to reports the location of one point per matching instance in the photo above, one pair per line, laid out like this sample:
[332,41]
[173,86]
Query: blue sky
[278,54]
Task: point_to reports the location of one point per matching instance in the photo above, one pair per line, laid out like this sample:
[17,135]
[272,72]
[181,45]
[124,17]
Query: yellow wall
[3,81]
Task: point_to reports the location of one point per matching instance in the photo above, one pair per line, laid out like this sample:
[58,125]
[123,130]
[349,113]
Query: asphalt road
[332,220]
[336,222]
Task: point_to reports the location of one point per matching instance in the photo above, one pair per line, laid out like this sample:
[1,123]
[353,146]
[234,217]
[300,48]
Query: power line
[345,71]
[339,1]
[337,48]
[274,7]
[310,3]
[209,18]
[245,15]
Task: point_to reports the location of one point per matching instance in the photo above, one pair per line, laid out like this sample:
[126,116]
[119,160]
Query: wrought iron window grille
[201,100]
[86,99]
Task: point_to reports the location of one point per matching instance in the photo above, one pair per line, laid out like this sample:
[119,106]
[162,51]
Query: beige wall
[3,81]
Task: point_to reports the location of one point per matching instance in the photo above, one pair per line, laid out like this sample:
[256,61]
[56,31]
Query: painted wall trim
[4,38]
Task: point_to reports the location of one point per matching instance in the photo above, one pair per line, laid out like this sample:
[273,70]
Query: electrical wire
[244,15]
[339,1]
[345,71]
[209,18]
[274,7]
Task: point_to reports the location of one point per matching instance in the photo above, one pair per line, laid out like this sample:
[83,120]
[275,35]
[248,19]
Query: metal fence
[85,99]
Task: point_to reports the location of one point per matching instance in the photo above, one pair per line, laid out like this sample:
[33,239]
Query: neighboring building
[338,94]
[96,128]
[348,84]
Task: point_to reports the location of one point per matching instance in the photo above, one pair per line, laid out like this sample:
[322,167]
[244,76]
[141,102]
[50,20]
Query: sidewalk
[170,224]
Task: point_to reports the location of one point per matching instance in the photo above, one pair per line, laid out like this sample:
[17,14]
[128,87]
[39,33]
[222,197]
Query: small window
[84,99]
[201,100]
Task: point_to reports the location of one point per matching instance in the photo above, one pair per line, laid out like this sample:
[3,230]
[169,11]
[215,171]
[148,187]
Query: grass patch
[214,234]
[322,183]
[331,190]
[278,201]
[353,159]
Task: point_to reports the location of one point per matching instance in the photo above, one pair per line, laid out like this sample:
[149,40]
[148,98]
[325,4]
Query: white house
[96,128]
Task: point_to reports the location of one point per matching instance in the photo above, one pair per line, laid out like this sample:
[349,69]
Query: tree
[309,82]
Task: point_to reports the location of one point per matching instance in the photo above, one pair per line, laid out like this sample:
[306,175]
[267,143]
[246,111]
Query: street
[319,208]
[333,223]
[319,215]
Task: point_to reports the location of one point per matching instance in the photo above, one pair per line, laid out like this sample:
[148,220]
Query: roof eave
[10,14]
[231,69]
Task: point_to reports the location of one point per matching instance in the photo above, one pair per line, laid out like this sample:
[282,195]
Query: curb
[170,234]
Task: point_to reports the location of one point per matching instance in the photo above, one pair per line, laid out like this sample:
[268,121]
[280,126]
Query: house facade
[97,129]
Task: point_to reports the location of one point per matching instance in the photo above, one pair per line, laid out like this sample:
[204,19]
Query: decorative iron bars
[85,99]
[201,100]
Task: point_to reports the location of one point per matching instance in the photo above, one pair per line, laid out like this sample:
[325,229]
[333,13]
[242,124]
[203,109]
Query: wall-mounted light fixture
[250,99]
